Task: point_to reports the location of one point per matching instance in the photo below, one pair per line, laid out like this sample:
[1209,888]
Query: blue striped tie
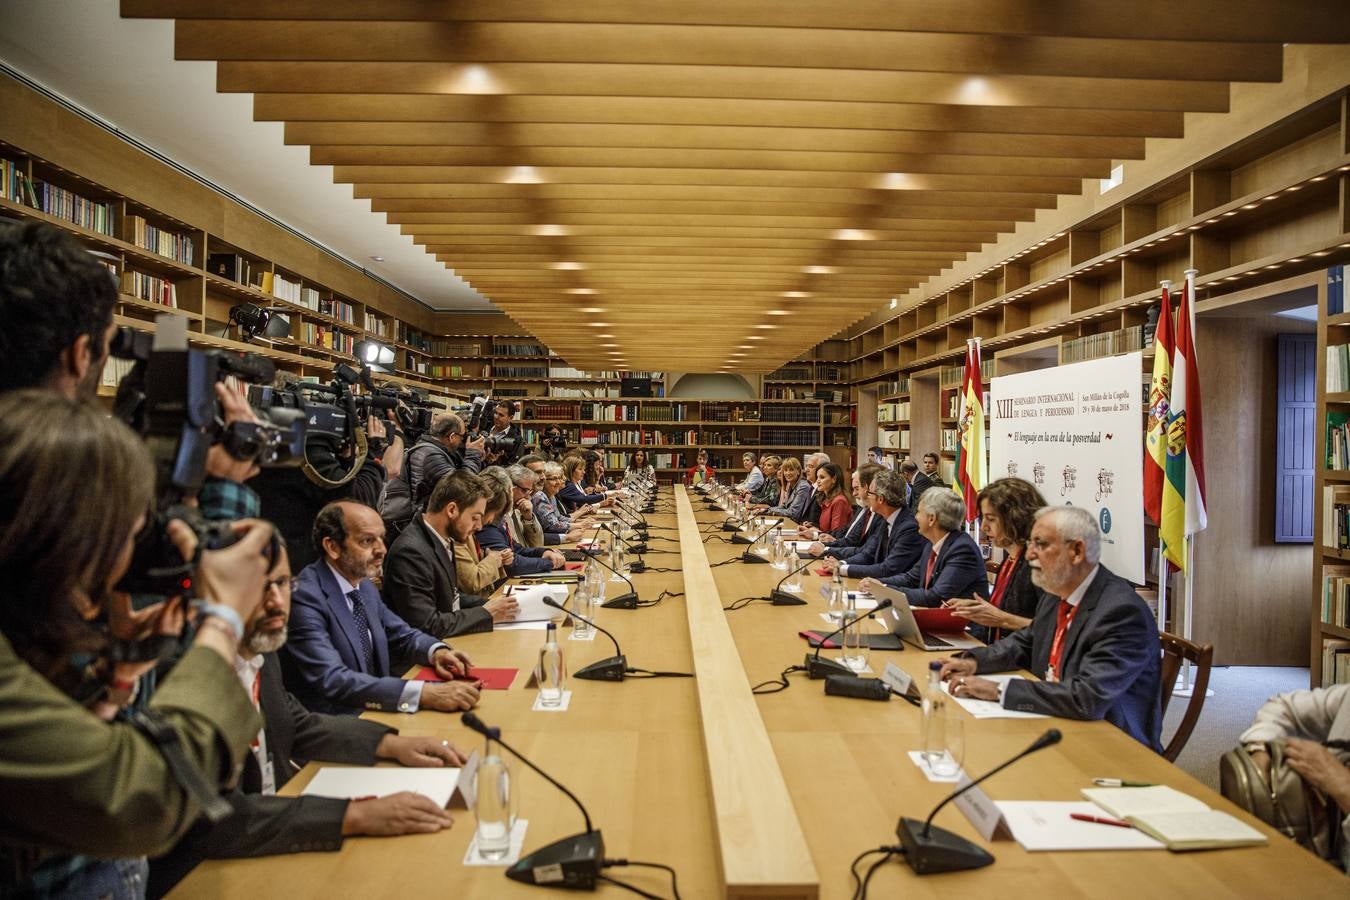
[362,629]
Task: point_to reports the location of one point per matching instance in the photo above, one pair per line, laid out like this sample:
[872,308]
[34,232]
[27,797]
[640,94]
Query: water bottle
[616,560]
[583,605]
[779,560]
[493,806]
[794,582]
[933,740]
[836,598]
[551,674]
[595,582]
[853,639]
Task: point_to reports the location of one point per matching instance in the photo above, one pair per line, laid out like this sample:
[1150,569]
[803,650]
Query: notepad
[1178,820]
[349,783]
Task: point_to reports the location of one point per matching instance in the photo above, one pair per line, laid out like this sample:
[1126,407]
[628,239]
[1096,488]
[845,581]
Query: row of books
[168,244]
[1338,367]
[114,370]
[68,205]
[515,371]
[1336,523]
[514,349]
[786,413]
[897,439]
[949,376]
[1336,595]
[413,337]
[546,409]
[590,392]
[1095,346]
[893,412]
[784,437]
[639,412]
[949,440]
[792,373]
[639,437]
[1335,663]
[149,288]
[338,309]
[730,412]
[892,388]
[436,370]
[231,267]
[376,326]
[281,287]
[1338,441]
[327,337]
[1335,290]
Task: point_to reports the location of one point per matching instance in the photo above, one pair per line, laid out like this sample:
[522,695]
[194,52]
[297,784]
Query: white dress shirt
[250,672]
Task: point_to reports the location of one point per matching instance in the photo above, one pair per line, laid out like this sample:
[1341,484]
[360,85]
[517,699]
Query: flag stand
[1185,687]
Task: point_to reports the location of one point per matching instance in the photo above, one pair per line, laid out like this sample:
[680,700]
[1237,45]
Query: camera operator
[442,450]
[75,487]
[505,434]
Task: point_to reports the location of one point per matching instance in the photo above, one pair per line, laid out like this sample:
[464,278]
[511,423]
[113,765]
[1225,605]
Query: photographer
[439,452]
[75,487]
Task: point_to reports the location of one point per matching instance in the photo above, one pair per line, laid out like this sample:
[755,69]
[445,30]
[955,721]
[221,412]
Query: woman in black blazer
[1007,511]
[574,496]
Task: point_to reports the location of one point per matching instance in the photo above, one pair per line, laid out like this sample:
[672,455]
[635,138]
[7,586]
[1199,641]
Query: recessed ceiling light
[796,294]
[895,181]
[819,270]
[581,290]
[567,266]
[766,326]
[779,312]
[378,258]
[894,303]
[592,309]
[523,175]
[852,234]
[755,337]
[550,230]
[608,345]
[607,336]
[598,324]
[474,79]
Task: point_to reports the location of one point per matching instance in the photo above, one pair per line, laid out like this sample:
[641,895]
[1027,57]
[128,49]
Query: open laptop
[940,630]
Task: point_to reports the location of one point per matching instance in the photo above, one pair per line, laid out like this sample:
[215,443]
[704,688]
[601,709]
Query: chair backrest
[1175,650]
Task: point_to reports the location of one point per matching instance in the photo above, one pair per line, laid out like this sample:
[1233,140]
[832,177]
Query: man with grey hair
[440,451]
[1093,640]
[810,466]
[952,565]
[901,545]
[918,482]
[523,522]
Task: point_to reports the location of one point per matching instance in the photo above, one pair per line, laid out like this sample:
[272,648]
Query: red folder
[939,619]
[488,679]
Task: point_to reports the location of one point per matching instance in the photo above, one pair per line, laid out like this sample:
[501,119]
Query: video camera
[169,398]
[478,421]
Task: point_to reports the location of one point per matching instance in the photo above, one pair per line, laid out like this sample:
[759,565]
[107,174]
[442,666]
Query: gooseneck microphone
[639,546]
[780,597]
[573,862]
[616,667]
[929,850]
[750,556]
[819,668]
[628,600]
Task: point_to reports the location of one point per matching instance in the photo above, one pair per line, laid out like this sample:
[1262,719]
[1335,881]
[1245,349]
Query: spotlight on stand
[374,355]
[251,319]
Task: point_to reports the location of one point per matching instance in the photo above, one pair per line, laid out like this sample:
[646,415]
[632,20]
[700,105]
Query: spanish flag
[1183,500]
[971,476]
[1159,397]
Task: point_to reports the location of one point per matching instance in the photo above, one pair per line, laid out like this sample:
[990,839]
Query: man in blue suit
[345,643]
[900,545]
[952,565]
[1093,640]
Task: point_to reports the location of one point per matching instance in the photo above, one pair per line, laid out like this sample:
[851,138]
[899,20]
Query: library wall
[1251,594]
[711,387]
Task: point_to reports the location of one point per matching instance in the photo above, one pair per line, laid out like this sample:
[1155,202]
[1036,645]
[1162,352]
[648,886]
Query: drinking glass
[947,762]
[495,808]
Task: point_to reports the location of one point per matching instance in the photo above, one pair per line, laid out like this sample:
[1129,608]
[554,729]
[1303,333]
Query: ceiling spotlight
[796,294]
[755,337]
[473,79]
[819,270]
[894,303]
[378,258]
[550,230]
[592,309]
[766,326]
[895,181]
[852,234]
[598,324]
[581,290]
[566,266]
[779,312]
[523,175]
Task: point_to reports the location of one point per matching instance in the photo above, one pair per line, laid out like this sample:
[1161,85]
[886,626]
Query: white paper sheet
[358,781]
[990,709]
[530,598]
[1046,825]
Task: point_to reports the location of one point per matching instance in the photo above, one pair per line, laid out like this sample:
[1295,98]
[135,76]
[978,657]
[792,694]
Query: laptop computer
[928,629]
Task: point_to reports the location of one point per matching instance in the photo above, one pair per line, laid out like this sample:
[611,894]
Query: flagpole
[1187,688]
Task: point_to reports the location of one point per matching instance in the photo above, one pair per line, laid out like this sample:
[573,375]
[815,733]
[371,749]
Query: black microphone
[573,862]
[638,546]
[819,668]
[627,600]
[781,597]
[929,850]
[749,556]
[611,669]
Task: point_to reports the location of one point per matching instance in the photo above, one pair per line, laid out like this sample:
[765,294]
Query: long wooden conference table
[754,796]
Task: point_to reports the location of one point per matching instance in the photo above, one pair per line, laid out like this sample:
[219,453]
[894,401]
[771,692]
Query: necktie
[1063,619]
[928,573]
[362,630]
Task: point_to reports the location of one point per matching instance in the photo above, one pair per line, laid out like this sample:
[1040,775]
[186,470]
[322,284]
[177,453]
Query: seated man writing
[264,824]
[345,644]
[952,565]
[1093,640]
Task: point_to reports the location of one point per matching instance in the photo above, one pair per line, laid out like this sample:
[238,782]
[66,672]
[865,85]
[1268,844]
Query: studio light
[374,354]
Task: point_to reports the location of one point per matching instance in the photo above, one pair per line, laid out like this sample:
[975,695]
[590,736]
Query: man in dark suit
[263,824]
[952,566]
[918,483]
[419,572]
[899,545]
[345,644]
[1093,640]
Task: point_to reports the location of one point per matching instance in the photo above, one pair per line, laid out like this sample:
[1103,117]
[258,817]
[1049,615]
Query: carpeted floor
[1238,692]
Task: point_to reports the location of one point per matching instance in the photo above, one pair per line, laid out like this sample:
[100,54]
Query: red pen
[1084,817]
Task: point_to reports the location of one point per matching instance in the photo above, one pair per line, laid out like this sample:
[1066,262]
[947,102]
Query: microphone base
[939,850]
[730,526]
[623,601]
[818,667]
[635,548]
[637,567]
[749,557]
[739,538]
[572,863]
[612,669]
[786,598]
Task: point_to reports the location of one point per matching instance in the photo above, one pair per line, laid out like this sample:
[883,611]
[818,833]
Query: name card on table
[982,812]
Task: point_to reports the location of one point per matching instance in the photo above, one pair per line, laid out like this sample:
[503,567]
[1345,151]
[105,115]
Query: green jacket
[71,782]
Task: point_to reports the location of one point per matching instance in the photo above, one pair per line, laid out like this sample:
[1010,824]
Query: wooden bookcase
[822,374]
[1331,630]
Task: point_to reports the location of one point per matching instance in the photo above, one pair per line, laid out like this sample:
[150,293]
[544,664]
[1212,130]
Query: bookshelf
[822,374]
[672,431]
[1330,650]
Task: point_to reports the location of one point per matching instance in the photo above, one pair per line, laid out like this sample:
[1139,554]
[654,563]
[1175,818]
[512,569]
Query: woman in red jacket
[836,510]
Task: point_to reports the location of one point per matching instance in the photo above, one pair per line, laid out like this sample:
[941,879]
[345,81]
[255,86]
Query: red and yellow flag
[971,455]
[1159,398]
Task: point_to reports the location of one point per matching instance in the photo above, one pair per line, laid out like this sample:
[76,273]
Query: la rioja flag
[1183,502]
[1159,399]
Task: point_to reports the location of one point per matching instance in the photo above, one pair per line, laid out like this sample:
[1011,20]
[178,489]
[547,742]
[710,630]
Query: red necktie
[932,560]
[1063,619]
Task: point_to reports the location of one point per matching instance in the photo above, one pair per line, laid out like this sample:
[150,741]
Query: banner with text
[1077,433]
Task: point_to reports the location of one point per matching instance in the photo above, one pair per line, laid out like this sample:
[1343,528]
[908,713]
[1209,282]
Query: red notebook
[488,679]
[573,566]
[938,619]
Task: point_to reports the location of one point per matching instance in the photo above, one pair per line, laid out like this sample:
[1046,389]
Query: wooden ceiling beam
[454,212]
[736,137]
[715,112]
[662,158]
[743,82]
[704,45]
[1308,21]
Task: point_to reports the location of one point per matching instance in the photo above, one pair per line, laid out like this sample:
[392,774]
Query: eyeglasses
[282,584]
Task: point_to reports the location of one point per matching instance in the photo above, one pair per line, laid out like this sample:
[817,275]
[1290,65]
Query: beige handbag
[1285,802]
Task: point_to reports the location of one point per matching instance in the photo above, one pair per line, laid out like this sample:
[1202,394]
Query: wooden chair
[1201,656]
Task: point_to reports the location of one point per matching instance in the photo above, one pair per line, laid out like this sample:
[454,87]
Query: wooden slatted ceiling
[700,171]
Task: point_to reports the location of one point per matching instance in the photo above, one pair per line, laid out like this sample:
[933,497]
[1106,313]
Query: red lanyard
[1063,619]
